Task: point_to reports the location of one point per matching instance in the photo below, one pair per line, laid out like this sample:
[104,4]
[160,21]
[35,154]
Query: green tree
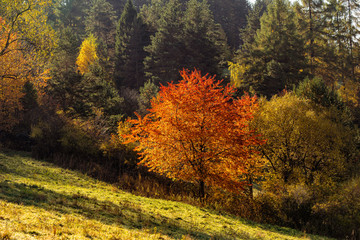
[131,37]
[147,93]
[100,21]
[185,39]
[165,53]
[276,58]
[231,15]
[248,33]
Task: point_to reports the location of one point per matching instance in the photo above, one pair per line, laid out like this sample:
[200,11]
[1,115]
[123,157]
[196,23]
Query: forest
[251,109]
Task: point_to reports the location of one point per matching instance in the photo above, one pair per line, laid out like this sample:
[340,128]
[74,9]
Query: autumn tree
[87,55]
[197,132]
[26,41]
[304,143]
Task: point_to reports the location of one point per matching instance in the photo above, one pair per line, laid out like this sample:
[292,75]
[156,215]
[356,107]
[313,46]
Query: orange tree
[196,131]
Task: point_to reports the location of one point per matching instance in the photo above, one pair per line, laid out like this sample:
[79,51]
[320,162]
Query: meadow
[41,201]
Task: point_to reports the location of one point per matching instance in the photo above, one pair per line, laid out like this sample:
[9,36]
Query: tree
[165,52]
[131,37]
[28,20]
[276,58]
[196,131]
[248,33]
[100,22]
[147,93]
[18,66]
[231,15]
[87,55]
[185,39]
[304,145]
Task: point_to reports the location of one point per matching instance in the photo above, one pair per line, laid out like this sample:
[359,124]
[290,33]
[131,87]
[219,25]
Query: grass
[41,201]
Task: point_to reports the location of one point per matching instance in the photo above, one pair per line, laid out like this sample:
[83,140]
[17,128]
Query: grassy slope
[41,201]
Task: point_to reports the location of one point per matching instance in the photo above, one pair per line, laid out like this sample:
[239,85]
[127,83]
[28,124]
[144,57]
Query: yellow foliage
[237,71]
[349,92]
[303,143]
[87,55]
[12,79]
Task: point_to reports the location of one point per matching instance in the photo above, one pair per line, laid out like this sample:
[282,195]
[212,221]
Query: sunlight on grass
[41,201]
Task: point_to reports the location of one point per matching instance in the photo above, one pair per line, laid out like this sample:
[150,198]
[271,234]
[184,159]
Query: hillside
[42,201]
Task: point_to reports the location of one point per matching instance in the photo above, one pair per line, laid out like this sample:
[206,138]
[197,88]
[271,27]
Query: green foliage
[131,37]
[275,60]
[147,93]
[316,91]
[100,21]
[248,33]
[98,93]
[323,96]
[184,39]
[231,15]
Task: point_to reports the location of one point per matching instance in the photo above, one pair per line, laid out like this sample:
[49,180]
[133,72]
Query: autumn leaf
[197,132]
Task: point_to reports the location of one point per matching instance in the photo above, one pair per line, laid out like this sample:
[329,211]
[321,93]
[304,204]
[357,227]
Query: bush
[339,216]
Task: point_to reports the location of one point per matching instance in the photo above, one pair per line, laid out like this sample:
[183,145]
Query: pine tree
[165,53]
[231,15]
[131,37]
[276,58]
[185,39]
[204,40]
[100,22]
[248,33]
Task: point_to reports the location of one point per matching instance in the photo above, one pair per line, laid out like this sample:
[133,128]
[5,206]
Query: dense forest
[251,109]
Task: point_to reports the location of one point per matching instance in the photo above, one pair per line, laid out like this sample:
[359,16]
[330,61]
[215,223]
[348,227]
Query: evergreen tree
[231,15]
[204,40]
[276,58]
[72,13]
[165,52]
[185,39]
[131,37]
[248,33]
[100,22]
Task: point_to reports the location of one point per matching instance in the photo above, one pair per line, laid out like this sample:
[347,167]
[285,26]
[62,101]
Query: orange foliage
[196,131]
[16,69]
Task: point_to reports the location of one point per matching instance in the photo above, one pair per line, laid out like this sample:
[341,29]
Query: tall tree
[248,33]
[13,72]
[197,132]
[131,37]
[231,15]
[72,13]
[100,22]
[276,58]
[185,39]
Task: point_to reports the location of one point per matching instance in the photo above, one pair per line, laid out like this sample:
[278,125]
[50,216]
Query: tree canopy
[196,131]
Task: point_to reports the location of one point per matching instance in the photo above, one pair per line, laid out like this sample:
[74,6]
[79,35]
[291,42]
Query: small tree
[87,55]
[197,132]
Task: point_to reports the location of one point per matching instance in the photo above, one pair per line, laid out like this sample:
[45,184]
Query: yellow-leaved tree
[87,55]
[304,144]
[26,42]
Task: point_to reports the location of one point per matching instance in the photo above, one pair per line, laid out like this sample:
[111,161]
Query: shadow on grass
[126,214]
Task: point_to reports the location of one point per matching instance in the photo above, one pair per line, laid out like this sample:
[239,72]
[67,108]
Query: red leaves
[196,131]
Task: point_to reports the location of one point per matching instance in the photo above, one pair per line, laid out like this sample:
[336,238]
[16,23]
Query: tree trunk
[202,190]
